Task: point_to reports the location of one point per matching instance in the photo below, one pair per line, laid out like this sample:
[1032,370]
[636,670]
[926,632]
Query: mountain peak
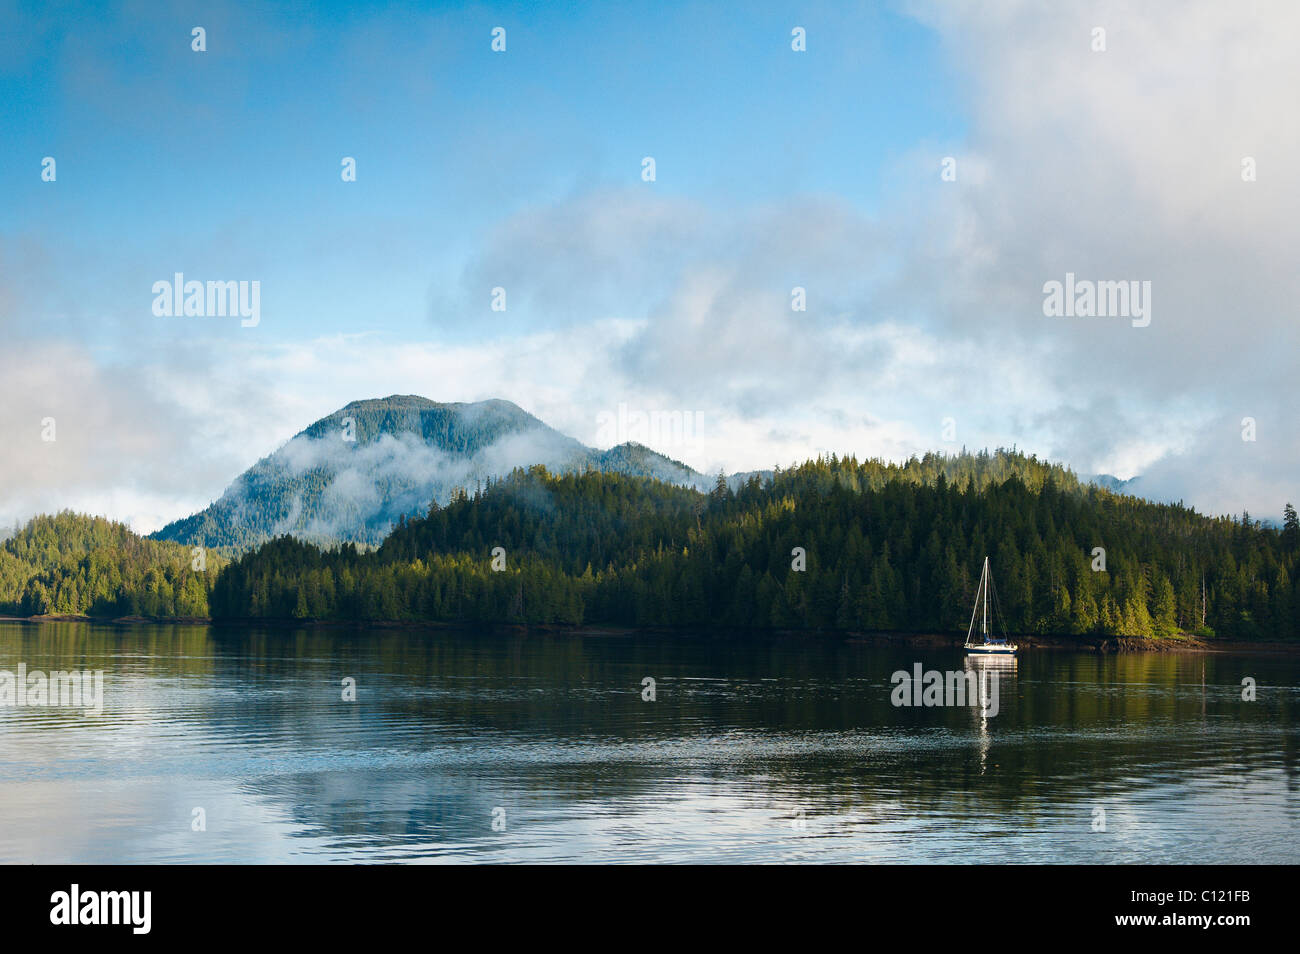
[393,400]
[351,474]
[420,403]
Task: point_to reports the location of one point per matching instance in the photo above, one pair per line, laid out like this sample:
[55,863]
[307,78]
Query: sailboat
[986,646]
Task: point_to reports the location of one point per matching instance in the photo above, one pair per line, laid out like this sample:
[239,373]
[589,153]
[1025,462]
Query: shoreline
[1095,644]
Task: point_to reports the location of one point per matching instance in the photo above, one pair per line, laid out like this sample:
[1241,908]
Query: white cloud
[1115,165]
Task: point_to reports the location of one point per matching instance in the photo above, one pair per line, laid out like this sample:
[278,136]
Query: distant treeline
[71,564]
[885,547]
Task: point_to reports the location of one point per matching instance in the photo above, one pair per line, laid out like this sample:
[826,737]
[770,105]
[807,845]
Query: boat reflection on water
[987,669]
[1003,665]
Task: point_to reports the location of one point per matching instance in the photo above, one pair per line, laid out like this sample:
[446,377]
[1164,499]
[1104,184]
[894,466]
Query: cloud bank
[1122,164]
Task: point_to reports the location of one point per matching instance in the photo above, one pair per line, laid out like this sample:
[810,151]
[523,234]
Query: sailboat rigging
[986,646]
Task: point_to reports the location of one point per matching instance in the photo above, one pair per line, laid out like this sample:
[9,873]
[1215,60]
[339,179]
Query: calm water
[752,752]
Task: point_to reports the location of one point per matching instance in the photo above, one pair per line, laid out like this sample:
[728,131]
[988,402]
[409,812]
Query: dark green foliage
[887,547]
[71,564]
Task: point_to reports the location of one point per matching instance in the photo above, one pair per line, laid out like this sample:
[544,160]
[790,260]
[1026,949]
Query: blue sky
[776,169]
[227,162]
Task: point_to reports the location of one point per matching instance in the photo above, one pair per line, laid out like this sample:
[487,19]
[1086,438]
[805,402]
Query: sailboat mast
[1002,646]
[986,599]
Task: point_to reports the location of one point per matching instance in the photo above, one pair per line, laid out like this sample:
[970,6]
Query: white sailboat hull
[991,650]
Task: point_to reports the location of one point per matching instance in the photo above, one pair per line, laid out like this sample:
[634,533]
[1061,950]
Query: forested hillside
[78,565]
[887,547]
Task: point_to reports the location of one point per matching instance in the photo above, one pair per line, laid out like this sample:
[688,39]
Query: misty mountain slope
[350,475]
[1113,484]
[637,460]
